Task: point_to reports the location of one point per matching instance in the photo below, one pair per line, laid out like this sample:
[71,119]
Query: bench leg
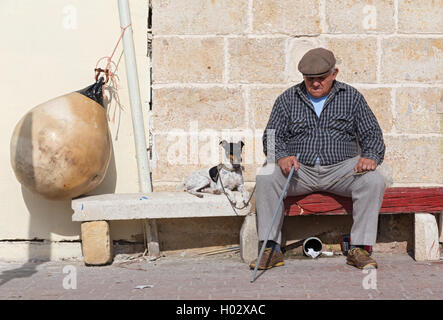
[426,240]
[150,227]
[249,239]
[97,245]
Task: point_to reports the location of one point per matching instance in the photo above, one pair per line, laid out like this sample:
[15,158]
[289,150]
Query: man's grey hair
[333,70]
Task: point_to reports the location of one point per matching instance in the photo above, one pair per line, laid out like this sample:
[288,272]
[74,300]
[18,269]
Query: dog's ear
[241,144]
[223,143]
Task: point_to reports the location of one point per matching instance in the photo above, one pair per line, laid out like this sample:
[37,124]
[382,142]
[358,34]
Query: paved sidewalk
[223,277]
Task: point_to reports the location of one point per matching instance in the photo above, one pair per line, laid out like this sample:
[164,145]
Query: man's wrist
[281,156]
[371,156]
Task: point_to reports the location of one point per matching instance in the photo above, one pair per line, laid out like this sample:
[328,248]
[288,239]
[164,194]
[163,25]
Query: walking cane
[272,223]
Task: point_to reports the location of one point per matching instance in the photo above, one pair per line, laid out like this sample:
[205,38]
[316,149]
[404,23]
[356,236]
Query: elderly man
[339,144]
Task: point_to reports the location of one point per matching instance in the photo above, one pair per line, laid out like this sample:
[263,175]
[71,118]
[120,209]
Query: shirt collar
[302,92]
[337,86]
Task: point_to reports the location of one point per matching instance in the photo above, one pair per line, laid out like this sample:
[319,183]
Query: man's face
[320,86]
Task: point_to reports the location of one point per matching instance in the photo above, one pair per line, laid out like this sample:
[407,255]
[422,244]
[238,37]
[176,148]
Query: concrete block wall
[219,65]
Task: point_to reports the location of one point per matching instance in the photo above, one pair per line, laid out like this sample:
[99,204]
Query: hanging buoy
[61,148]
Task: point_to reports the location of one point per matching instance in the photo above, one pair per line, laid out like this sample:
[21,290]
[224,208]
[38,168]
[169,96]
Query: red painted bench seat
[396,200]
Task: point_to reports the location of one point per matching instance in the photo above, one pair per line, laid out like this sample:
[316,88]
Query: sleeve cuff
[280,155]
[372,156]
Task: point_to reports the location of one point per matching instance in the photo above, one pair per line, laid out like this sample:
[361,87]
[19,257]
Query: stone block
[297,48]
[195,109]
[176,160]
[417,110]
[188,125]
[261,102]
[356,58]
[96,243]
[187,60]
[420,16]
[250,172]
[199,17]
[412,60]
[414,160]
[159,186]
[367,17]
[171,172]
[249,239]
[426,246]
[379,100]
[257,60]
[253,157]
[293,17]
[177,157]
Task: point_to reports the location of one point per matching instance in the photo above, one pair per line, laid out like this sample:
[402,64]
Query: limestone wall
[219,65]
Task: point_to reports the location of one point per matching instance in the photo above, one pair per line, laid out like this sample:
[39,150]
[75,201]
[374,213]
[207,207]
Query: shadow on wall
[185,233]
[54,216]
[49,216]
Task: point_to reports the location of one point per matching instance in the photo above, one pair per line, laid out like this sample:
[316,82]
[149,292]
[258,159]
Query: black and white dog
[227,176]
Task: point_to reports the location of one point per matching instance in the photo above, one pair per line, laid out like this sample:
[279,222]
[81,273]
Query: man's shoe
[269,259]
[360,258]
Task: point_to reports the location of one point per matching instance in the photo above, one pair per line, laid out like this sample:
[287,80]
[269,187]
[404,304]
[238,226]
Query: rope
[233,205]
[111,68]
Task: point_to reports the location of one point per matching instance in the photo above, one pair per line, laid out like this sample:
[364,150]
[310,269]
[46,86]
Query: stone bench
[425,203]
[95,211]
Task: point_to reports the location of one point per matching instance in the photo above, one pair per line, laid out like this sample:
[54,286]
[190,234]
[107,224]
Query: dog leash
[233,205]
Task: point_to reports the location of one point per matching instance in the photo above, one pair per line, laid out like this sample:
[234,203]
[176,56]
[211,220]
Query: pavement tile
[223,277]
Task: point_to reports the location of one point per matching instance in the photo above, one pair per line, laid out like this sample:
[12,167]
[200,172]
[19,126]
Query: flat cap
[316,62]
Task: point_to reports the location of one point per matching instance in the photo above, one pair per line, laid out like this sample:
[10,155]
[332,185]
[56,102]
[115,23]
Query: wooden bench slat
[396,200]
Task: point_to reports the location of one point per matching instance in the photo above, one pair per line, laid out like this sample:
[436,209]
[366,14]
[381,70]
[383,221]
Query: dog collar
[215,171]
[222,166]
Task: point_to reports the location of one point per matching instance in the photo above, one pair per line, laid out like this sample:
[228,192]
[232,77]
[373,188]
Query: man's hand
[286,163]
[365,164]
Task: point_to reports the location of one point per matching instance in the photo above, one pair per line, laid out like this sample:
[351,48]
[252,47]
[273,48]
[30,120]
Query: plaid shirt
[346,125]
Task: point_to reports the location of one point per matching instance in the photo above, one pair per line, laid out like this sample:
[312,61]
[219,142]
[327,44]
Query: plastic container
[313,243]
